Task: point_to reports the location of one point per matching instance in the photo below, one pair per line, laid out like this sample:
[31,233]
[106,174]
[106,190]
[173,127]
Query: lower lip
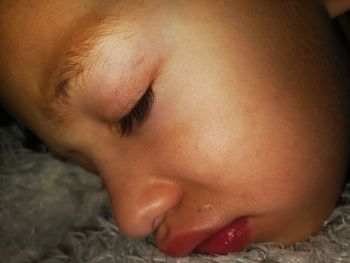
[232,238]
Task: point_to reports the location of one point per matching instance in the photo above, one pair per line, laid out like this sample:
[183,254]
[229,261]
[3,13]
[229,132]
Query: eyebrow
[75,63]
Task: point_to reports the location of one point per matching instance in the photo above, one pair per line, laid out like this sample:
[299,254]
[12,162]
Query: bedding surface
[54,212]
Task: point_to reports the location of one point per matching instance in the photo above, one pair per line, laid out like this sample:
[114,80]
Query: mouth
[232,238]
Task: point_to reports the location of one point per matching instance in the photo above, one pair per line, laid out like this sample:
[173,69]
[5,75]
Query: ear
[337,7]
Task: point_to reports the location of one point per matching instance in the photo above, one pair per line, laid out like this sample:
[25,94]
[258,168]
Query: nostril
[157,221]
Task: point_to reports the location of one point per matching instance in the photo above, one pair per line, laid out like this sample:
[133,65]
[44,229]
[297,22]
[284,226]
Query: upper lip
[186,240]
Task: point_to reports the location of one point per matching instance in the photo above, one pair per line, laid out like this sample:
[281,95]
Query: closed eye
[138,114]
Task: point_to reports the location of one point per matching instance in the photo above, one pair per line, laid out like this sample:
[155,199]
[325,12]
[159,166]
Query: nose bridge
[140,200]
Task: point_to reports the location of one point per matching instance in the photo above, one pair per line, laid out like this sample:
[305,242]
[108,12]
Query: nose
[140,203]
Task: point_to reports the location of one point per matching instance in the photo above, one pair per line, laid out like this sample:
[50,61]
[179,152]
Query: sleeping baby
[213,124]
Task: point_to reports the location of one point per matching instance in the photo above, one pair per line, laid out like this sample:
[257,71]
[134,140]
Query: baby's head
[203,118]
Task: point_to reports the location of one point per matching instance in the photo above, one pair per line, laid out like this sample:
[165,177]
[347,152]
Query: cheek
[187,145]
[264,155]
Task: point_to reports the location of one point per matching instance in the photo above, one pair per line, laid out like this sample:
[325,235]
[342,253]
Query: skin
[245,122]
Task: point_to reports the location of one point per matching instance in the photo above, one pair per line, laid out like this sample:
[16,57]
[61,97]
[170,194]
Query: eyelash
[138,114]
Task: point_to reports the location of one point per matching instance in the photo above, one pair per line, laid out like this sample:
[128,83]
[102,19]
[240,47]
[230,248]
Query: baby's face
[200,116]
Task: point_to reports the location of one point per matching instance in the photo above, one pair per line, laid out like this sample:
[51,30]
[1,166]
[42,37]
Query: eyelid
[138,114]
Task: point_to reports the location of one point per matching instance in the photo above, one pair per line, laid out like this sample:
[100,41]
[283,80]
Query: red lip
[233,238]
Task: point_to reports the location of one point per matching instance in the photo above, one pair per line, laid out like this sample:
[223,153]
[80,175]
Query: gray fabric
[54,212]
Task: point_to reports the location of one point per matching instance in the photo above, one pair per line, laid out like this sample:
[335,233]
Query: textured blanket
[55,212]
